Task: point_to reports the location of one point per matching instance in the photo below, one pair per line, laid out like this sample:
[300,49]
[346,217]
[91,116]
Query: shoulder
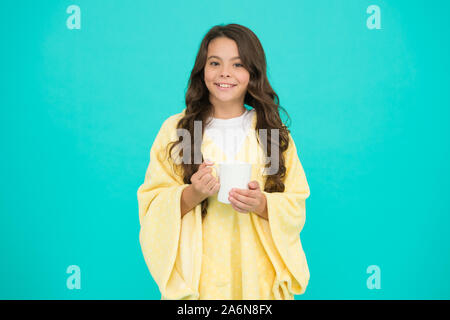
[169,125]
[171,122]
[167,132]
[292,147]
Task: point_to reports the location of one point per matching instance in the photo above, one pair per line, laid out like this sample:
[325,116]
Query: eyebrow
[221,59]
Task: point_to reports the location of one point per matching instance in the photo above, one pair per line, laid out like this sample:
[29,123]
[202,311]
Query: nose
[224,72]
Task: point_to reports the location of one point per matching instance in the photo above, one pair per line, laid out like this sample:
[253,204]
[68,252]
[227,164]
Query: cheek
[244,78]
[209,75]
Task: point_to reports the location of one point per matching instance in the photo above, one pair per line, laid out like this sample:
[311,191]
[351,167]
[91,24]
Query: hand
[252,200]
[203,182]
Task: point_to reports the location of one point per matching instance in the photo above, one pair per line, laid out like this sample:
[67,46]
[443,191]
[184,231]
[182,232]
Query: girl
[195,246]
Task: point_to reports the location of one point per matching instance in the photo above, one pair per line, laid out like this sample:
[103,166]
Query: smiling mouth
[224,86]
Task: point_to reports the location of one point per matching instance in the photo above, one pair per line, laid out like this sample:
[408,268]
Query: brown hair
[260,96]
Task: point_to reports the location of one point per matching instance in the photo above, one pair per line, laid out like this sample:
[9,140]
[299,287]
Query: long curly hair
[260,96]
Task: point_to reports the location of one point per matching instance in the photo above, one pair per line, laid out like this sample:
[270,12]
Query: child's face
[222,68]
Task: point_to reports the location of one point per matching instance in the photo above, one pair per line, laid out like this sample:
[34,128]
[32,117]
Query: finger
[245,200]
[204,164]
[253,185]
[201,166]
[240,204]
[206,178]
[233,204]
[201,173]
[216,188]
[245,192]
[236,206]
[210,185]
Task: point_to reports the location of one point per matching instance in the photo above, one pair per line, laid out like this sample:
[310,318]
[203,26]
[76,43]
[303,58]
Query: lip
[225,89]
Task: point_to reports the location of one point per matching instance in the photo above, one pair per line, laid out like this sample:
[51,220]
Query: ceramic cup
[232,175]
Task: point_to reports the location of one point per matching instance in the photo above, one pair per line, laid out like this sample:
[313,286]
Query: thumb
[253,185]
[205,163]
[208,162]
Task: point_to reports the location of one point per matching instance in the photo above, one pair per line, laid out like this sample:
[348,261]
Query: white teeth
[224,85]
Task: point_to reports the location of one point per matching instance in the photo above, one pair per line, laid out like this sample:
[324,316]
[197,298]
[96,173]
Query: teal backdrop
[369,111]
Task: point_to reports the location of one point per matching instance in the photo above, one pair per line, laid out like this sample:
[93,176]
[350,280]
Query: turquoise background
[81,108]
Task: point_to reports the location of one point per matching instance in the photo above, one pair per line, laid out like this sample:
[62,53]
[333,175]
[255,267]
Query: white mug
[232,175]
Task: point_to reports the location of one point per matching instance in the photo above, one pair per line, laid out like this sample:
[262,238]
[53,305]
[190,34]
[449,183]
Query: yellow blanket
[231,255]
